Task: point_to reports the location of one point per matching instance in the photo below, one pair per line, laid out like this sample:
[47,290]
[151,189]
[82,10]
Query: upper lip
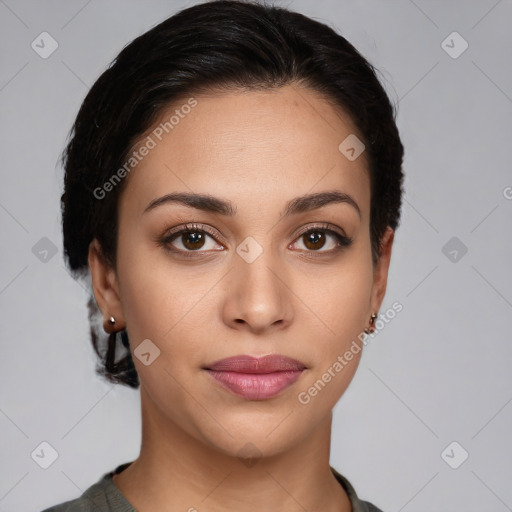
[249,364]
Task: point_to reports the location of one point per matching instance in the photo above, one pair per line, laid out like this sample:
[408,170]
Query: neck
[177,470]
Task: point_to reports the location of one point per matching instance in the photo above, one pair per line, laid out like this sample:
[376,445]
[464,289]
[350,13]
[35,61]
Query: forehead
[272,145]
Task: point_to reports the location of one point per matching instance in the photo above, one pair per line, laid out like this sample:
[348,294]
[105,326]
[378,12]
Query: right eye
[191,238]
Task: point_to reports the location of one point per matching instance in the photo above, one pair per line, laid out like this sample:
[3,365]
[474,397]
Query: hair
[218,45]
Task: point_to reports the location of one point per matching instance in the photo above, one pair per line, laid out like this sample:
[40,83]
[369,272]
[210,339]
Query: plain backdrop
[434,386]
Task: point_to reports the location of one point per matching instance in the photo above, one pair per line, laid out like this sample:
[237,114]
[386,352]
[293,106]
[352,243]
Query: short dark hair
[215,45]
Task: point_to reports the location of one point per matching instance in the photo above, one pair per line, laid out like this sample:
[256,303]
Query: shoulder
[77,505]
[87,502]
[358,505]
[92,500]
[369,507]
[103,496]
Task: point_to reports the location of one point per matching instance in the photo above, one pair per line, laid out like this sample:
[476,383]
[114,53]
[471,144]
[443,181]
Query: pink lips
[256,378]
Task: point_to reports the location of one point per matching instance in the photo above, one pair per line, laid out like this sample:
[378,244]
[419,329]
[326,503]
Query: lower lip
[256,386]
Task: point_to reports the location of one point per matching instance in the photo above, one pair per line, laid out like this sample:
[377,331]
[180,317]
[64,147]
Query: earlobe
[105,287]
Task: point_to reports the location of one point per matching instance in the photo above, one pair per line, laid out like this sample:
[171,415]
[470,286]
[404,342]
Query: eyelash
[343,241]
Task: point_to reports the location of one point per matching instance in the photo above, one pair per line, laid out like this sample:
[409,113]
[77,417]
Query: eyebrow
[213,204]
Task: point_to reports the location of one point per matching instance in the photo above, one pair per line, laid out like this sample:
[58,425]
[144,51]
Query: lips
[256,378]
[249,364]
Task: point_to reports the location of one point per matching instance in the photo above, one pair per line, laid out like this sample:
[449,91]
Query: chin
[246,438]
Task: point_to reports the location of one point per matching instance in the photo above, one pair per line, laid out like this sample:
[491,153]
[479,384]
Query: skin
[257,150]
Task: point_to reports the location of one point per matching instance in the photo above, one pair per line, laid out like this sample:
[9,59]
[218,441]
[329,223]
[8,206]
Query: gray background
[438,373]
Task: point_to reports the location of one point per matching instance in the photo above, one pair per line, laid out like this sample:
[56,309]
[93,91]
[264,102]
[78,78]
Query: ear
[380,271]
[105,287]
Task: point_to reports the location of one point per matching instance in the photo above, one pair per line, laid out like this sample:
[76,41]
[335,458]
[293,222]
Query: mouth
[256,378]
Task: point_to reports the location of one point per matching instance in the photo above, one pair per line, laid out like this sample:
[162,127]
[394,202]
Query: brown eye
[192,239]
[321,240]
[314,240]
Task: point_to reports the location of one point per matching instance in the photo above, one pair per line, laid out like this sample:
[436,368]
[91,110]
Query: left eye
[316,239]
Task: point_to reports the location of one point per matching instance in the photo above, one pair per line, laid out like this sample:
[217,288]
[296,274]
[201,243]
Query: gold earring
[372,321]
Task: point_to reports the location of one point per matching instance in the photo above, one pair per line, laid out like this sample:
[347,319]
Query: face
[268,266]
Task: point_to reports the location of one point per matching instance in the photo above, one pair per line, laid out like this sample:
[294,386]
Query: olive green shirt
[104,496]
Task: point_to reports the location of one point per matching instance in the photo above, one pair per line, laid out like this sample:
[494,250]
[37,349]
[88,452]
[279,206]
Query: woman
[233,183]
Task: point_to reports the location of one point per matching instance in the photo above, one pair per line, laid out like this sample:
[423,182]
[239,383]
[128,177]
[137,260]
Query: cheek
[338,307]
[342,308]
[157,295]
[338,297]
[322,390]
[345,306]
[172,308]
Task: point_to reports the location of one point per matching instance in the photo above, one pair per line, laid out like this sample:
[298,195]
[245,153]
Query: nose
[258,298]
